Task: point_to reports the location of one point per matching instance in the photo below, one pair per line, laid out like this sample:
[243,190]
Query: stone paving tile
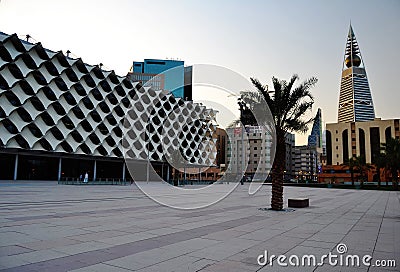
[224,250]
[127,238]
[319,244]
[261,234]
[93,236]
[101,268]
[224,235]
[40,255]
[12,261]
[81,247]
[180,263]
[14,238]
[48,244]
[326,237]
[231,266]
[13,250]
[191,245]
[144,259]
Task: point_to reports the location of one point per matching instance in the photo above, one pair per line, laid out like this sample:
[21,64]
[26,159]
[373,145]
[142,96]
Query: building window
[388,133]
[255,155]
[374,143]
[328,148]
[255,148]
[362,142]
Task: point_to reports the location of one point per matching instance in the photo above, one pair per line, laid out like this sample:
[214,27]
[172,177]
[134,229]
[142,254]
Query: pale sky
[254,38]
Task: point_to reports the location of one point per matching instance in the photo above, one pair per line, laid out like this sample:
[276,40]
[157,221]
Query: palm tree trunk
[362,177]
[352,177]
[395,184]
[278,172]
[379,176]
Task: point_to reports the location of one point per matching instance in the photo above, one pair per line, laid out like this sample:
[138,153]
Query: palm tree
[391,150]
[288,105]
[380,163]
[357,165]
[351,164]
[362,167]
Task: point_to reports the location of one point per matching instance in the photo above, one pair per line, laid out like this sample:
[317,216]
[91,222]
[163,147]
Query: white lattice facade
[53,103]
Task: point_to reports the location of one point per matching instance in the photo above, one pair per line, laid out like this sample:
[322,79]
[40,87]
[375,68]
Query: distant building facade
[250,150]
[170,75]
[221,142]
[305,162]
[345,140]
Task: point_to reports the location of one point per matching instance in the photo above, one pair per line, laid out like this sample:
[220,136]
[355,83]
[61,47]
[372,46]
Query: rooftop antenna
[28,37]
[68,52]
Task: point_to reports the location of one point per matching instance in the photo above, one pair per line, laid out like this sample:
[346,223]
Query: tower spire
[352,54]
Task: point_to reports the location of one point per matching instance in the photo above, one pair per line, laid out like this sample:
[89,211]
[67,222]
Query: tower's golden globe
[356,61]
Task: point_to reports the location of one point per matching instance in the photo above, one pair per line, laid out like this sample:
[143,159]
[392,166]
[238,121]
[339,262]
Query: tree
[357,165]
[288,105]
[351,164]
[380,163]
[391,151]
[362,167]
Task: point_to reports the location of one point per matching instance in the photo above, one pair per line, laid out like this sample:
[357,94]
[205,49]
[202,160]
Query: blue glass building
[170,75]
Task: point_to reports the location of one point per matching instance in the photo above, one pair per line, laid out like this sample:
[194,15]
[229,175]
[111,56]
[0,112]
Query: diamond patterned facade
[54,103]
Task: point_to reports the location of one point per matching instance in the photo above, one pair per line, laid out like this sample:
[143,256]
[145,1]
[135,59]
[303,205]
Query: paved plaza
[50,227]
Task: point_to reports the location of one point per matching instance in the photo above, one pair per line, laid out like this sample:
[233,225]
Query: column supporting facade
[94,170]
[59,169]
[123,171]
[199,174]
[16,167]
[167,172]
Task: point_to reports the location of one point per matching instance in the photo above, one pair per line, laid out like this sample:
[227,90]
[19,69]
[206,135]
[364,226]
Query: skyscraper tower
[315,138]
[355,101]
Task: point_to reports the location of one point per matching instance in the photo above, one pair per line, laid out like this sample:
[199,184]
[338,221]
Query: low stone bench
[298,202]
